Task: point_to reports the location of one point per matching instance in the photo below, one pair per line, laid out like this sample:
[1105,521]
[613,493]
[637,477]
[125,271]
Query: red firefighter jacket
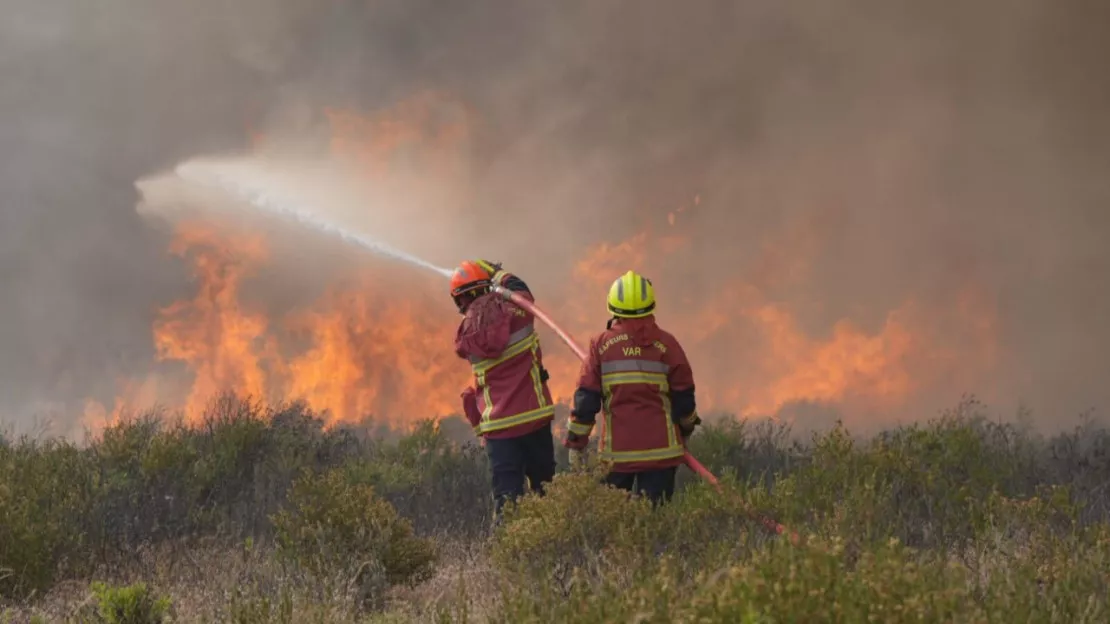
[639,375]
[510,397]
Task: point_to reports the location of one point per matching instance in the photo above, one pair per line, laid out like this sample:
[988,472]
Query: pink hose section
[690,460]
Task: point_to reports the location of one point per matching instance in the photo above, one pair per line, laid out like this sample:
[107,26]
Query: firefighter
[640,375]
[509,406]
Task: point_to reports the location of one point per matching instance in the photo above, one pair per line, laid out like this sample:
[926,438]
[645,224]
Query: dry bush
[344,534]
[263,515]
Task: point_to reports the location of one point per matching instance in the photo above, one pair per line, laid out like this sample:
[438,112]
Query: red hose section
[690,460]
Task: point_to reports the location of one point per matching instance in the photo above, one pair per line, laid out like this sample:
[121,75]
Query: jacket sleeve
[684,411]
[484,331]
[587,396]
[513,283]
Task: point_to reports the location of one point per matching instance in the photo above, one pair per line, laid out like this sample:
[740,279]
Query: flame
[222,342]
[96,417]
[373,347]
[373,354]
[825,371]
[369,353]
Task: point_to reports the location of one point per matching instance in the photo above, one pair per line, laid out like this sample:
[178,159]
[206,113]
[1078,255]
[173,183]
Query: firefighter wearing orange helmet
[509,405]
[639,374]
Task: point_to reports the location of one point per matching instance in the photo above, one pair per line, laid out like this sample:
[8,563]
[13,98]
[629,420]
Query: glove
[578,434]
[470,407]
[687,425]
[575,442]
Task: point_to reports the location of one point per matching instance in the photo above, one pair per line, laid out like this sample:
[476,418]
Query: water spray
[194,173]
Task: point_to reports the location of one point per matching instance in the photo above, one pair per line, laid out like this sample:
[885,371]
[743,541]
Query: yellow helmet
[631,296]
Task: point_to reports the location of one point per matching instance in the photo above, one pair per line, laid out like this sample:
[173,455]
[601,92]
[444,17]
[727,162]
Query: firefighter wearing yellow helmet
[640,374]
[631,296]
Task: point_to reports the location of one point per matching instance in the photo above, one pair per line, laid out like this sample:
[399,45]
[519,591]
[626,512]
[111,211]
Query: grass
[260,515]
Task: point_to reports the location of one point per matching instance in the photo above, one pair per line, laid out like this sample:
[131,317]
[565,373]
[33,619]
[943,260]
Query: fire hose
[690,460]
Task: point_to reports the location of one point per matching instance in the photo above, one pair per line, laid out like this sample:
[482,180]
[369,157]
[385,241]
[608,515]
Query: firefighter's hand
[575,442]
[687,425]
[577,445]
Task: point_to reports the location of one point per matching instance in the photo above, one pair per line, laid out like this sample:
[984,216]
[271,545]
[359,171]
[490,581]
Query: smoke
[884,150]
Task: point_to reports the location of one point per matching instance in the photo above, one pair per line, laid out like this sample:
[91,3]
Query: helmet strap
[463,301]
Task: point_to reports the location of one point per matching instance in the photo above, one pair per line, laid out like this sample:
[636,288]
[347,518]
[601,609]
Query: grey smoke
[925,142]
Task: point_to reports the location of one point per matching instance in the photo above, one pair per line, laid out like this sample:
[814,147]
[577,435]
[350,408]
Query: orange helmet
[468,281]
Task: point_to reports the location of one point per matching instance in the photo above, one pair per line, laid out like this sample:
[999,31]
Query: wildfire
[222,343]
[370,354]
[374,354]
[372,348]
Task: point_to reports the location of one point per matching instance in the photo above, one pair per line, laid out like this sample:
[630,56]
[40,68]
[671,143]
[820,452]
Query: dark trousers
[512,459]
[655,485]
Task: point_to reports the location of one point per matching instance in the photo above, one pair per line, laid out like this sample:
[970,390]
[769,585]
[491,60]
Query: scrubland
[260,514]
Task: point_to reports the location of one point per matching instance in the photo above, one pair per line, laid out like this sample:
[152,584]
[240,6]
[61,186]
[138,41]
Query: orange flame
[373,355]
[368,355]
[222,343]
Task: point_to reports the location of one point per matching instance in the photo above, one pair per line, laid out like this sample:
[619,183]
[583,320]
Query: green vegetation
[334,524]
[134,604]
[261,515]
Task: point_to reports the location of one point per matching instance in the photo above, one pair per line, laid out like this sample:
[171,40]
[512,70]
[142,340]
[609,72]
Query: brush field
[261,515]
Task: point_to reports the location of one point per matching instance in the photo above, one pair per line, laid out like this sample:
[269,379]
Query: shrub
[580,525]
[226,477]
[132,604]
[45,489]
[441,486]
[821,581]
[145,492]
[588,553]
[930,486]
[1022,518]
[745,451]
[333,528]
[817,582]
[1062,580]
[634,564]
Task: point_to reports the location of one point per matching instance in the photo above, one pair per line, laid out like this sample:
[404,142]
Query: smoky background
[885,149]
